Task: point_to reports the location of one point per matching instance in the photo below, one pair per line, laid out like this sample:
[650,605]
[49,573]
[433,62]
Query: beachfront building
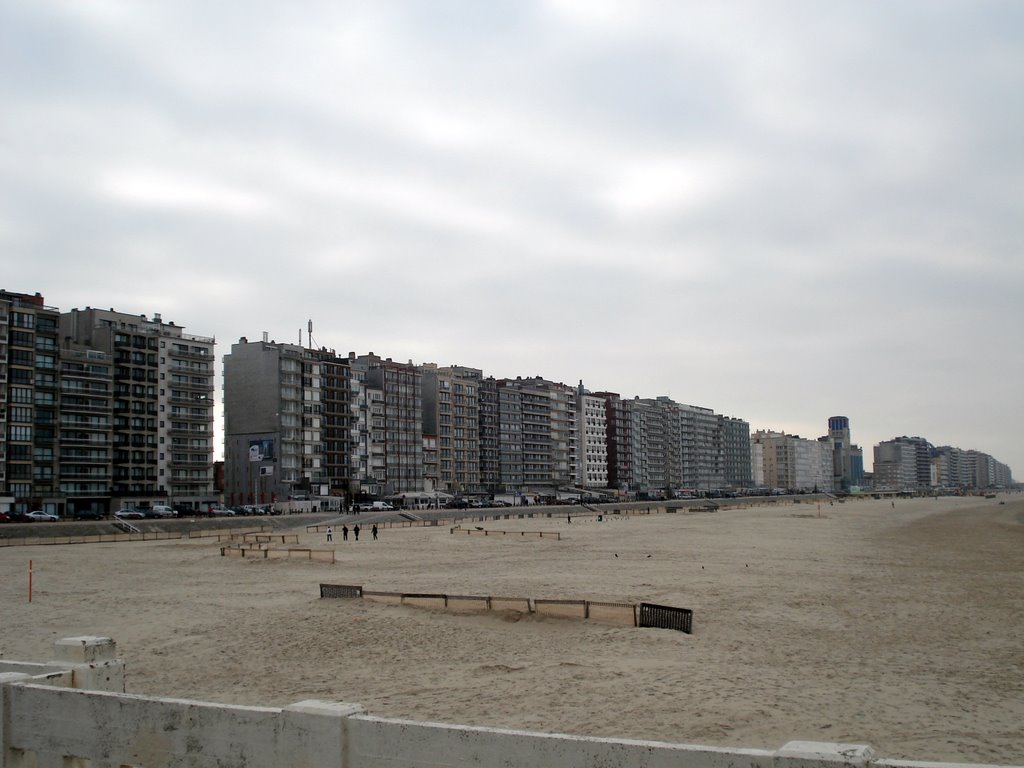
[655,446]
[537,435]
[847,458]
[592,434]
[488,414]
[904,464]
[103,409]
[510,437]
[619,424]
[736,459]
[963,469]
[162,428]
[291,425]
[399,468]
[701,455]
[29,385]
[791,463]
[336,423]
[450,401]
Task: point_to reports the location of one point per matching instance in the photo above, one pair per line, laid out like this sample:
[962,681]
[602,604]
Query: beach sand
[899,627]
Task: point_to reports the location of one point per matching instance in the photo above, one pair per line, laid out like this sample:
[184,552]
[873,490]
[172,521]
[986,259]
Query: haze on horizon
[782,212]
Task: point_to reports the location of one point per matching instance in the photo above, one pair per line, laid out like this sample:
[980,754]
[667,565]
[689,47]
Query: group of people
[344,532]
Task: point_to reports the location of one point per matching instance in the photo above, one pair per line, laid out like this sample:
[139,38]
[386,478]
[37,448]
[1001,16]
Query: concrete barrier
[50,717]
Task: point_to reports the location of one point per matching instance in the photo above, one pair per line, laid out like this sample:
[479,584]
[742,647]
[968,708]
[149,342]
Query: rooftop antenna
[309,333]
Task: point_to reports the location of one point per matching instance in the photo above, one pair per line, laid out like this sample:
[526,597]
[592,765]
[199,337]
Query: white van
[161,510]
[374,506]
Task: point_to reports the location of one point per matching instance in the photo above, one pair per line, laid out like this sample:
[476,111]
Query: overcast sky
[782,211]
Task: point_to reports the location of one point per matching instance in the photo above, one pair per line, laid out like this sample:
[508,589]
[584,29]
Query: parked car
[158,510]
[221,511]
[42,517]
[4,517]
[90,514]
[127,513]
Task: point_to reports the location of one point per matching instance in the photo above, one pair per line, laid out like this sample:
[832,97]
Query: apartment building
[593,439]
[619,424]
[511,462]
[272,438]
[537,435]
[401,390]
[904,464]
[337,389]
[702,457]
[736,458]
[656,446]
[450,398]
[790,462]
[103,409]
[490,436]
[29,394]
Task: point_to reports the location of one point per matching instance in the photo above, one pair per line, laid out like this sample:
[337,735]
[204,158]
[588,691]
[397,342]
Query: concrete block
[322,555]
[86,649]
[822,754]
[105,676]
[313,733]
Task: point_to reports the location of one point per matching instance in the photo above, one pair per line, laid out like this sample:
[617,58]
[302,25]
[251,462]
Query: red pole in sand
[30,581]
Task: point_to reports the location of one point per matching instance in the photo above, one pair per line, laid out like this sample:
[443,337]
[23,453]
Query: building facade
[103,409]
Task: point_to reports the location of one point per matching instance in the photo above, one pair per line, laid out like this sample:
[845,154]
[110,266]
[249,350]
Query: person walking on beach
[330,535]
[568,519]
[344,533]
[355,531]
[374,531]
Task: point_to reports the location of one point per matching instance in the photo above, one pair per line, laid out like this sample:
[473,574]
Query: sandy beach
[898,627]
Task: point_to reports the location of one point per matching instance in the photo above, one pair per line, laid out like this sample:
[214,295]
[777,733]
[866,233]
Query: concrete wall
[45,724]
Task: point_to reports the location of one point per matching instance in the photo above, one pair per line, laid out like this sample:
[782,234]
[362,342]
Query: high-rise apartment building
[490,436]
[162,402]
[592,439]
[789,462]
[847,458]
[103,409]
[736,459]
[537,435]
[510,437]
[401,390]
[619,424]
[29,394]
[904,464]
[299,424]
[450,398]
[656,446]
[702,458]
